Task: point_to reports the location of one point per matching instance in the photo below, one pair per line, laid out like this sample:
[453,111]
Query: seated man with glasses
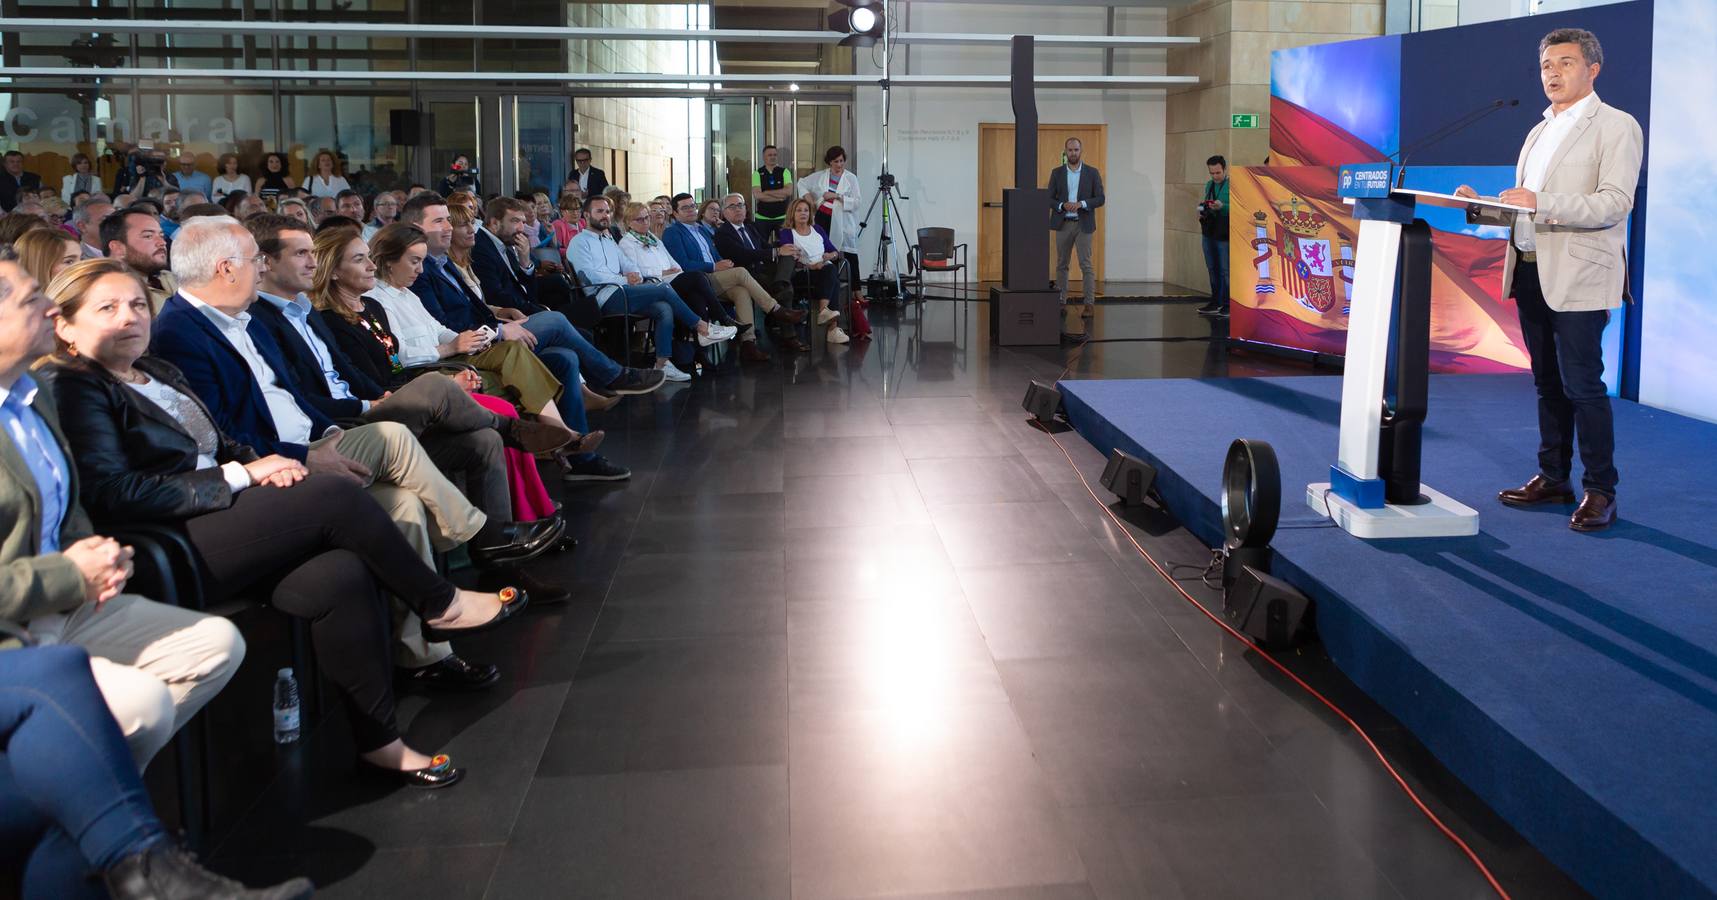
[754,249]
[695,252]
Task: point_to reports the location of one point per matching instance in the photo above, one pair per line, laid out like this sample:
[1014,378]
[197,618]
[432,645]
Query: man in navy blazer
[1076,190]
[241,375]
[495,259]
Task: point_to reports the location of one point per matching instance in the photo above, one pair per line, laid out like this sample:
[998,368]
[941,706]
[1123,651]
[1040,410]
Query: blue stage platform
[1570,680]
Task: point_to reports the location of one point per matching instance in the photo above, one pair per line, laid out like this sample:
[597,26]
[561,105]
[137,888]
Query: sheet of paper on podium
[1436,198]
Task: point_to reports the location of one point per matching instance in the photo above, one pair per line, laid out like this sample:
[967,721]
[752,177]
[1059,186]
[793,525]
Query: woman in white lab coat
[835,198]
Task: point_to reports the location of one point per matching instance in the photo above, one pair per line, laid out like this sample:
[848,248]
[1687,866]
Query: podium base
[1441,516]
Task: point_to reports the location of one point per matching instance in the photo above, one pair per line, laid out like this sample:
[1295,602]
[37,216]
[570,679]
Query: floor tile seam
[1362,846]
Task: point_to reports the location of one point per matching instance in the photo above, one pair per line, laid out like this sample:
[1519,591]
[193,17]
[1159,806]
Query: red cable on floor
[1375,750]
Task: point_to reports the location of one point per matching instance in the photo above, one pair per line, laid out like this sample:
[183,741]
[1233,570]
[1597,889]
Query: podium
[1374,489]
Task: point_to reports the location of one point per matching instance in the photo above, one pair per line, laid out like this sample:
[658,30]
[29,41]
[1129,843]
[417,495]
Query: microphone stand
[1463,122]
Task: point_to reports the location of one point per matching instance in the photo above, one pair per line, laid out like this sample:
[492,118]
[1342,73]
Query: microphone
[1457,125]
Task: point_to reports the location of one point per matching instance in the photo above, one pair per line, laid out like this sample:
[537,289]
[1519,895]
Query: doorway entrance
[800,129]
[516,141]
[995,171]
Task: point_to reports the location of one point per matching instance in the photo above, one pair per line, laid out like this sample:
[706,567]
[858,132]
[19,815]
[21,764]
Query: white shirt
[651,261]
[291,425]
[224,186]
[420,334]
[1537,168]
[330,188]
[811,247]
[1073,190]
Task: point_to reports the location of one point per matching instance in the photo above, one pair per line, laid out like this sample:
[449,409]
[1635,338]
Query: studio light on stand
[867,24]
[863,20]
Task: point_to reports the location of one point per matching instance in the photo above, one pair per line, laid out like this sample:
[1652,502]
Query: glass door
[541,143]
[736,139]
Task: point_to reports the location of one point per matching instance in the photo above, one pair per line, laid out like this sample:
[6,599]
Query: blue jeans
[662,304]
[1216,264]
[565,352]
[1567,352]
[71,801]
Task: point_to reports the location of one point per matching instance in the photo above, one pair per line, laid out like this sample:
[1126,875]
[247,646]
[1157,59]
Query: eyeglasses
[254,260]
[734,206]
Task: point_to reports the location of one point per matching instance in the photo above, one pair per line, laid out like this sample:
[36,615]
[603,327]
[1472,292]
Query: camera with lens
[146,161]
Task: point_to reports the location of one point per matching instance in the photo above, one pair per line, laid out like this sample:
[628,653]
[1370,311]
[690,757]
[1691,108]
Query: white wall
[933,144]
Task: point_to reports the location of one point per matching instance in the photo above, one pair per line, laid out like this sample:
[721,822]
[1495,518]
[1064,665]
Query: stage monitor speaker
[1128,477]
[1265,608]
[1025,318]
[1042,401]
[409,127]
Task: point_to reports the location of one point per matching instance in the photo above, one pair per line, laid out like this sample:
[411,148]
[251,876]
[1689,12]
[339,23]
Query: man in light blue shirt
[598,261]
[188,179]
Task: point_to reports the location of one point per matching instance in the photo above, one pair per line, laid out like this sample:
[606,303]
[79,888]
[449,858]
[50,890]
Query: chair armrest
[165,560]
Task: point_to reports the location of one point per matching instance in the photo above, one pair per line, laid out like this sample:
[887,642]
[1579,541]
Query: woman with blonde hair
[346,273]
[147,449]
[46,252]
[325,178]
[297,209]
[817,255]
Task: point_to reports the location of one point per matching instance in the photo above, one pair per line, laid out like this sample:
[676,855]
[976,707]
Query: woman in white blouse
[835,198]
[646,251]
[82,178]
[327,181]
[230,181]
[382,274]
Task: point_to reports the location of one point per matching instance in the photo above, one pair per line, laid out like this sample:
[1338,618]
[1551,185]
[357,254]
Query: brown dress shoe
[1537,490]
[794,345]
[594,402]
[787,316]
[535,435]
[750,352]
[1596,512]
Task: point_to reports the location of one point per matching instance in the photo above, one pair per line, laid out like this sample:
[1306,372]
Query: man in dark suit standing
[591,181]
[1077,191]
[15,182]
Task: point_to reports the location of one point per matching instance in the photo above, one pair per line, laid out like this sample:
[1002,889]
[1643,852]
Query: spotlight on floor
[1265,608]
[1128,477]
[1251,504]
[1043,402]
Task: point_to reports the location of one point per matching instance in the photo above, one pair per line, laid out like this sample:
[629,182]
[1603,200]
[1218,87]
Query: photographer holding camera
[143,171]
[461,176]
[1213,222]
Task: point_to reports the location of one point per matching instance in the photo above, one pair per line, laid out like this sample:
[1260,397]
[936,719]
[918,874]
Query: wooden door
[995,172]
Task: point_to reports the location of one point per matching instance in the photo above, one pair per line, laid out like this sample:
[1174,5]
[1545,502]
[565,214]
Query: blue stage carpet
[1570,680]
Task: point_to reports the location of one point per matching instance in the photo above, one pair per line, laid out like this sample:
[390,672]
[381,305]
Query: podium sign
[1365,181]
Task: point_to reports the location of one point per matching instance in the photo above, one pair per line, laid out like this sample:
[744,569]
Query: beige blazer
[1581,223]
[33,584]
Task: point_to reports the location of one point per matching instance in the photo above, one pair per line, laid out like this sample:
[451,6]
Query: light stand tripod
[888,195]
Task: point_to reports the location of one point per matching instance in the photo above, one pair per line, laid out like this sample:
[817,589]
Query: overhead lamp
[793,87]
[861,19]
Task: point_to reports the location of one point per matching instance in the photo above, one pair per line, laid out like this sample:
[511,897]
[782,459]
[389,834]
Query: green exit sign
[1245,120]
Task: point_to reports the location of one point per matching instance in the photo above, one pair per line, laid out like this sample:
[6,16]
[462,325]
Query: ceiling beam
[763,81]
[518,32]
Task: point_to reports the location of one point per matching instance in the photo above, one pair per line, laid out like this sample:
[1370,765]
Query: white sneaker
[672,372]
[837,336]
[717,334]
[826,316]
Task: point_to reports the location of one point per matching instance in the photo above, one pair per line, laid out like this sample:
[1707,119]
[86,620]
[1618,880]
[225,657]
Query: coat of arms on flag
[1308,266]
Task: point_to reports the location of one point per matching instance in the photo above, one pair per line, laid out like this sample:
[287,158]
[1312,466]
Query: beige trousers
[156,665]
[430,511]
[1069,236]
[738,285]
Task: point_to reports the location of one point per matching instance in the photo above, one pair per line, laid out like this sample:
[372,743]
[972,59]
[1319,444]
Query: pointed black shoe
[513,602]
[451,674]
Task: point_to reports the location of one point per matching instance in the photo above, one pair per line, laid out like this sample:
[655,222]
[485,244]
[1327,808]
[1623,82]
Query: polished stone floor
[854,629]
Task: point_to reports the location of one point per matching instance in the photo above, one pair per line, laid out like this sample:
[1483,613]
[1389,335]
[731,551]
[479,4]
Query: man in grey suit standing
[1566,269]
[1077,191]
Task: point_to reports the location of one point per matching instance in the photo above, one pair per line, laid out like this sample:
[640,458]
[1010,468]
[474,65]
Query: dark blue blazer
[684,248]
[453,305]
[306,371]
[223,380]
[503,283]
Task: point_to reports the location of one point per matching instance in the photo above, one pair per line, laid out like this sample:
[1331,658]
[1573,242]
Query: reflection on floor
[854,629]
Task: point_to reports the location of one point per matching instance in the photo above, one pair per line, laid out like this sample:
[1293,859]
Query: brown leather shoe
[750,352]
[1596,512]
[1537,490]
[787,316]
[794,345]
[535,435]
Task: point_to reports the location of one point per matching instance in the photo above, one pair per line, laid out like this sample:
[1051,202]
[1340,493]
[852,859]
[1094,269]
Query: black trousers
[1567,353]
[695,289]
[328,550]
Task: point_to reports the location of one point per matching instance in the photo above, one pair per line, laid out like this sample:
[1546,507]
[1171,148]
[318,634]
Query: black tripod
[888,197]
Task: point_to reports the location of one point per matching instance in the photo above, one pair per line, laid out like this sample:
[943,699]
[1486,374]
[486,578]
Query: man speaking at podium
[1566,270]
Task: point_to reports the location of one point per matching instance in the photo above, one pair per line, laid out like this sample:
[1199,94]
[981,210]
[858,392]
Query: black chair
[616,330]
[936,252]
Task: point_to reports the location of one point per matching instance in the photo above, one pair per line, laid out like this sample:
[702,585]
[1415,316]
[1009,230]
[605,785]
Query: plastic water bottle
[286,717]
